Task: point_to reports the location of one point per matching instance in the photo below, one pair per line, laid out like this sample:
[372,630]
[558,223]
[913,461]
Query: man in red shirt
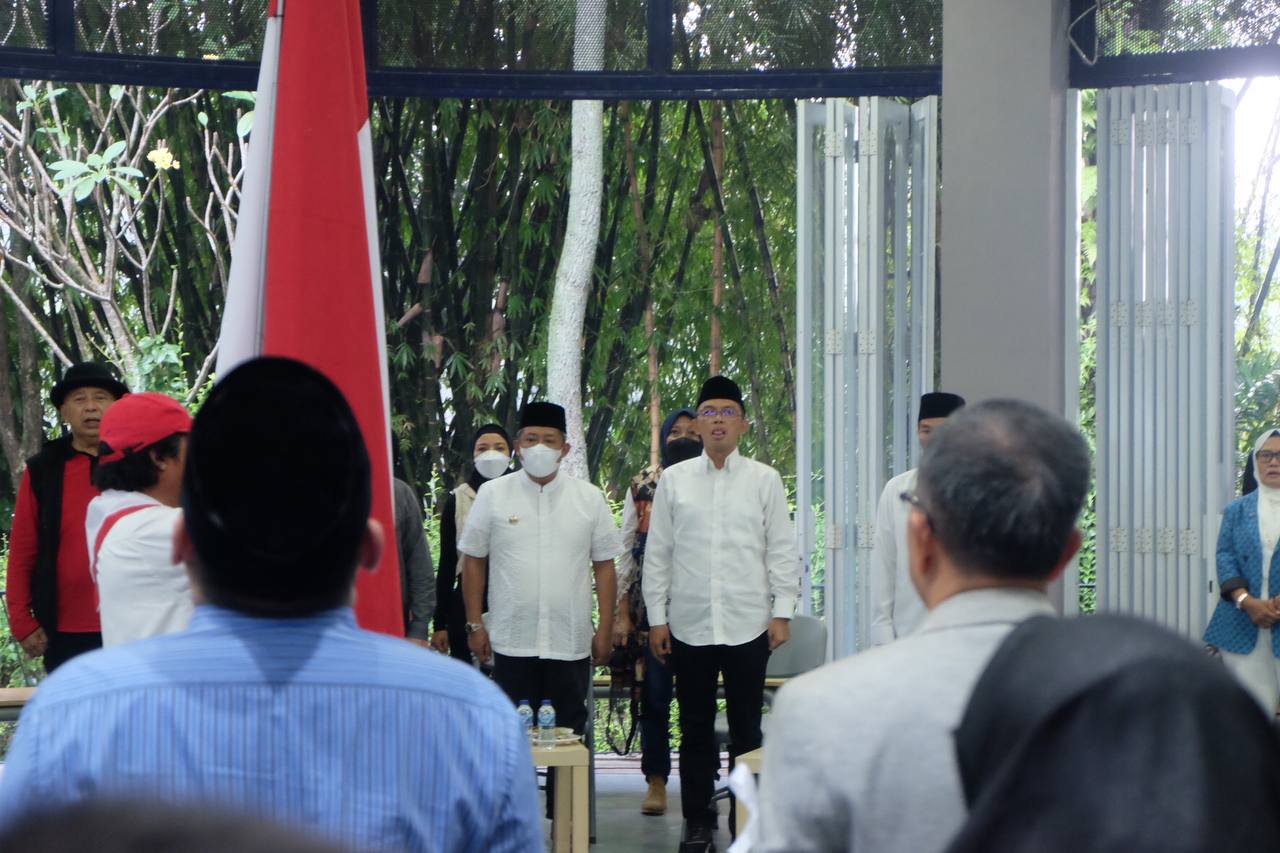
[52,602]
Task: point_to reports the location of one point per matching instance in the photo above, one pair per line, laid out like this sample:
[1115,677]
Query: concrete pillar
[1002,279]
[1003,234]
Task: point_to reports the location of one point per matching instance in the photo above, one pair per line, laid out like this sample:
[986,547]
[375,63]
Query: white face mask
[540,460]
[492,463]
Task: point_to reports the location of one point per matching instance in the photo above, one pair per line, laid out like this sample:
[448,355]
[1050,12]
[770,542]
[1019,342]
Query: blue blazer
[1240,557]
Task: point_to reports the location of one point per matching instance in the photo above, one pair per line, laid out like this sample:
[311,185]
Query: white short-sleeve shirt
[541,542]
[141,591]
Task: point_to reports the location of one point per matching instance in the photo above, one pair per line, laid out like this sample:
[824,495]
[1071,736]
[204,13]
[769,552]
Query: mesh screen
[518,35]
[22,24]
[1169,26]
[806,34]
[189,29]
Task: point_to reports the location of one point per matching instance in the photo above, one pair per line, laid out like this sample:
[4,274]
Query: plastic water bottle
[525,710]
[546,724]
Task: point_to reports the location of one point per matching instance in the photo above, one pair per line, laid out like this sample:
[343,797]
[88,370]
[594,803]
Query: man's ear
[919,533]
[921,550]
[564,451]
[372,542]
[185,553]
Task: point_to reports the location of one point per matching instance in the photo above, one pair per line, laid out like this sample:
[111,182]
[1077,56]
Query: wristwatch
[473,627]
[1239,599]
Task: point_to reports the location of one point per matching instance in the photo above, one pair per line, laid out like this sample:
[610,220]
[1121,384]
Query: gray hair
[1003,483]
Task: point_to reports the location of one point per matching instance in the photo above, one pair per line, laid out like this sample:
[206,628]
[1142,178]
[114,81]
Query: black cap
[939,404]
[539,414]
[721,388]
[88,374]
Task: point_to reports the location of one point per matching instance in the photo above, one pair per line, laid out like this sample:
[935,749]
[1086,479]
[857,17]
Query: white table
[571,822]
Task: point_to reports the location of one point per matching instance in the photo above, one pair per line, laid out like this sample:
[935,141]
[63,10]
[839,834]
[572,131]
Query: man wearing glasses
[722,576]
[862,752]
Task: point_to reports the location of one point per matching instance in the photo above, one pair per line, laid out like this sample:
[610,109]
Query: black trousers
[697,669]
[567,683]
[457,627]
[64,645]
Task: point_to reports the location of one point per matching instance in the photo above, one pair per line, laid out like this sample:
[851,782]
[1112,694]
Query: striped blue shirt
[359,737]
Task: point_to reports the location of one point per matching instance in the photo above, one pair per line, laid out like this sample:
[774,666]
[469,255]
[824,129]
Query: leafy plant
[78,178]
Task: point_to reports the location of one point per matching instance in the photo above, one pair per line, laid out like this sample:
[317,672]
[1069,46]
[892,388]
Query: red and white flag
[305,276]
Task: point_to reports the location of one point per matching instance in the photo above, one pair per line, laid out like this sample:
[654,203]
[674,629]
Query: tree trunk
[766,260]
[735,273]
[1255,316]
[645,262]
[717,247]
[573,276]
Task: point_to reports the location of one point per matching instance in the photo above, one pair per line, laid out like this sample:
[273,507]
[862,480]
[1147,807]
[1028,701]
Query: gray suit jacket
[417,579]
[859,754]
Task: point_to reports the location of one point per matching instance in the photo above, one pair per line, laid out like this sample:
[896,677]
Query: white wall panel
[872,271]
[1165,374]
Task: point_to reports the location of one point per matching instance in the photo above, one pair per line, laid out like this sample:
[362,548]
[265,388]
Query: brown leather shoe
[655,802]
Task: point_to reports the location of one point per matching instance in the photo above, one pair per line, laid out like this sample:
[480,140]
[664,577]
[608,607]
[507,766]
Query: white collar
[728,461]
[549,488]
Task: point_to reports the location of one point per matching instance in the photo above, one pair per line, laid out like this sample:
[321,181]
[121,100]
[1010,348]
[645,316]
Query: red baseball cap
[140,420]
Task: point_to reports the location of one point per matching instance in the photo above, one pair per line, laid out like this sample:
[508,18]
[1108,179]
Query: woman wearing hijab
[1249,577]
[491,457]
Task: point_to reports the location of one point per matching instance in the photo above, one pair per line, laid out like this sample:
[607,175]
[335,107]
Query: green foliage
[244,126]
[160,368]
[483,186]
[1165,26]
[34,97]
[1257,396]
[79,179]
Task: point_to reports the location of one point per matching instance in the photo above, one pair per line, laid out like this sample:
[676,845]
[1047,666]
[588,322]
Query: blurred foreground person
[1108,734]
[273,702]
[125,826]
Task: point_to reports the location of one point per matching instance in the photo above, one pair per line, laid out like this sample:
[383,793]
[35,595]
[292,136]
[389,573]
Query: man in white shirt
[142,590]
[896,608]
[545,535]
[721,581]
[861,753]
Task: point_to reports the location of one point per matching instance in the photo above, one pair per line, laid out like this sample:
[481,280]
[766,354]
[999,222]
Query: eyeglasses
[1266,457]
[916,504]
[728,412]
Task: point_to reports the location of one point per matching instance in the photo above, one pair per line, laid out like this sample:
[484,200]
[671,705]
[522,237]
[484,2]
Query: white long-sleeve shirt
[721,557]
[896,607]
